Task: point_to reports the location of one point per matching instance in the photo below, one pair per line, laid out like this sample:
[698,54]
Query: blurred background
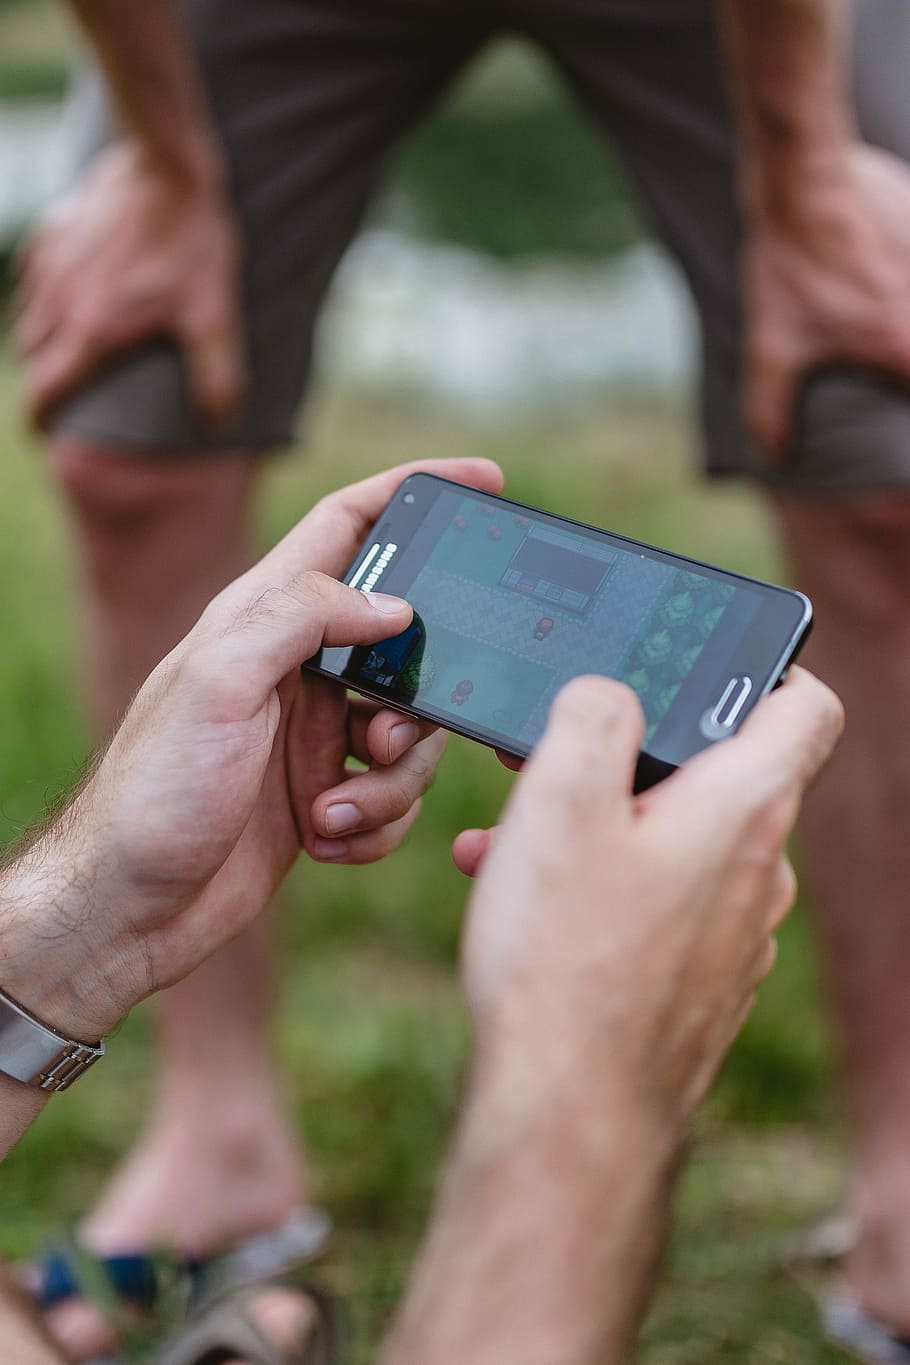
[505,300]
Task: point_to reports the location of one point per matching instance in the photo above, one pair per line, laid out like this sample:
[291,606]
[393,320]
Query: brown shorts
[311,95]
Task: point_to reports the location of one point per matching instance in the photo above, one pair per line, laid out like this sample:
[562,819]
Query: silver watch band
[37,1054]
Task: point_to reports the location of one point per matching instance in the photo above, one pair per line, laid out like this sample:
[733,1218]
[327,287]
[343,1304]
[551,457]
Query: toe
[80,1330]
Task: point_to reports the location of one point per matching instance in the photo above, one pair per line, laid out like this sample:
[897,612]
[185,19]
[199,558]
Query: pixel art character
[462,691]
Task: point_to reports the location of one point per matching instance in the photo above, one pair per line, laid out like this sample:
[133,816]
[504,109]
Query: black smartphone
[511,602]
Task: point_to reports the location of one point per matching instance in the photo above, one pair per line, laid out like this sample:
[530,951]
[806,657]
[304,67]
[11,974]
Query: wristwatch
[37,1054]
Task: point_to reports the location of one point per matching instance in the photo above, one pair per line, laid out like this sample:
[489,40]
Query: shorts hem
[169,448]
[770,482]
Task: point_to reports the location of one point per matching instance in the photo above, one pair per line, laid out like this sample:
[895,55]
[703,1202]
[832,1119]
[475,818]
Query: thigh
[651,75]
[308,97]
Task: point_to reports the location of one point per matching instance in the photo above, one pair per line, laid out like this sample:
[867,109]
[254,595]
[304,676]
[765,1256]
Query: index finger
[783,746]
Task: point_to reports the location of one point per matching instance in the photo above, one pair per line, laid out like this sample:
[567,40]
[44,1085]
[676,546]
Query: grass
[35,48]
[507,166]
[372,1032]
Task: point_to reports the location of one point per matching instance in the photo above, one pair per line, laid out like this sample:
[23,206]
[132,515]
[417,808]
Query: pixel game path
[508,609]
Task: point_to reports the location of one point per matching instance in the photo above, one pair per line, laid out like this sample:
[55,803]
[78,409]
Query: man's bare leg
[24,1338]
[853,558]
[156,540]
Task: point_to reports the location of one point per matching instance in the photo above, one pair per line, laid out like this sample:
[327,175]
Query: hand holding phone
[702,863]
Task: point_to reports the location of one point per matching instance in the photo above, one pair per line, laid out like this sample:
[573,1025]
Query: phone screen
[510,604]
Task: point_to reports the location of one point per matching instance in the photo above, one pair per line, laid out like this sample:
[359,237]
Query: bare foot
[878,1267]
[194,1189]
[198,1188]
[287,1318]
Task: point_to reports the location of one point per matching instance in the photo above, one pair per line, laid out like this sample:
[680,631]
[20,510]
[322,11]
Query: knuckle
[768,960]
[206,316]
[419,766]
[785,893]
[832,715]
[307,588]
[336,518]
[401,796]
[88,312]
[307,591]
[329,507]
[265,606]
[150,298]
[90,328]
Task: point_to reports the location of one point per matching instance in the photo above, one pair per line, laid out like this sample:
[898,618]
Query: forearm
[144,51]
[53,961]
[20,1105]
[547,1234]
[24,1336]
[789,76]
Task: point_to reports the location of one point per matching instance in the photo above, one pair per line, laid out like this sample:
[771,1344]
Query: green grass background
[372,1033]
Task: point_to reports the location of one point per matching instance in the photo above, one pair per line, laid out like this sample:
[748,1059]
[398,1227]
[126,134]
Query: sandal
[142,1286]
[847,1326]
[135,1279]
[813,1259]
[224,1331]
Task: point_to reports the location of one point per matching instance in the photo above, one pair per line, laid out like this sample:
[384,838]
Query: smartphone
[511,602]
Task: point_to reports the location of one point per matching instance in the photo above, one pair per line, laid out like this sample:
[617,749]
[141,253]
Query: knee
[138,521]
[111,494]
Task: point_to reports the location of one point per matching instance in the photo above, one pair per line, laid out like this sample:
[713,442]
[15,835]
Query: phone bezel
[401,520]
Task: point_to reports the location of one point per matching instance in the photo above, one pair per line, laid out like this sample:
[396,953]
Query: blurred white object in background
[470,331]
[33,161]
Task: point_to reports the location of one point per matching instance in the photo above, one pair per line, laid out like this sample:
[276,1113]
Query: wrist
[790,88]
[192,164]
[62,955]
[787,185]
[527,1087]
[550,1196]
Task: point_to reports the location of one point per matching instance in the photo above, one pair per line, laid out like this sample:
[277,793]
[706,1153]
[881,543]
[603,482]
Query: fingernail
[330,850]
[401,738]
[342,816]
[384,603]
